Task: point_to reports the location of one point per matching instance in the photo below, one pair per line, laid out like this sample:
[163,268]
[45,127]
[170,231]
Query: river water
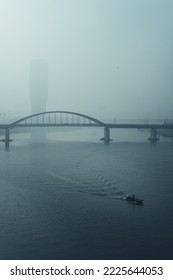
[62,198]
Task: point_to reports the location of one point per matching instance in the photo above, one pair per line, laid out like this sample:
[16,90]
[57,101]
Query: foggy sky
[107,58]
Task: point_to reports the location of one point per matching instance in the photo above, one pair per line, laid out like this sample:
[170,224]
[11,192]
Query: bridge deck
[140,126]
[109,125]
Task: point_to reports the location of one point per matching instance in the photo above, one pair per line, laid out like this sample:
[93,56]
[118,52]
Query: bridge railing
[139,121]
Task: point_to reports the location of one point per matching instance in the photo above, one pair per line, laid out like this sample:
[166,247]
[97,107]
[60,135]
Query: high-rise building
[38,93]
[38,85]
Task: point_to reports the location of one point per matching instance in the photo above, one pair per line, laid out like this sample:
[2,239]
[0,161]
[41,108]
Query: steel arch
[100,123]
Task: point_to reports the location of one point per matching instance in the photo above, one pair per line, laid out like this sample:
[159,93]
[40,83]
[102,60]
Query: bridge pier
[7,139]
[106,135]
[153,135]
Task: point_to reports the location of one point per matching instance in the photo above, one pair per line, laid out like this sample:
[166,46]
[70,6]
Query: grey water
[63,198]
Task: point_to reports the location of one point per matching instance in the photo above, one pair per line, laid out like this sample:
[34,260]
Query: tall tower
[38,93]
[38,85]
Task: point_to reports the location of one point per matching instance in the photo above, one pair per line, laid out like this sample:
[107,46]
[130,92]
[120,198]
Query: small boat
[133,199]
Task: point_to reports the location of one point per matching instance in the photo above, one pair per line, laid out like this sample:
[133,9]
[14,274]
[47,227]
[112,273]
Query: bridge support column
[153,136]
[7,138]
[106,135]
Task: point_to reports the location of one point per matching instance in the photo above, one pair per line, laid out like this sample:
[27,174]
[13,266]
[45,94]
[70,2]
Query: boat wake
[103,188]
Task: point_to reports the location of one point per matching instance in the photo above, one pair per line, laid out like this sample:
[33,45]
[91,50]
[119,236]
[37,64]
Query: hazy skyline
[107,58]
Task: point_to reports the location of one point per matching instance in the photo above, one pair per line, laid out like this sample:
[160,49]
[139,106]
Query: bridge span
[73,119]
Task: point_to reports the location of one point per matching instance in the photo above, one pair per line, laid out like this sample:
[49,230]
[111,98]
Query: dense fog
[111,59]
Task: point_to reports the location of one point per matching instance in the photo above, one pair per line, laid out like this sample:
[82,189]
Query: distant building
[38,85]
[38,93]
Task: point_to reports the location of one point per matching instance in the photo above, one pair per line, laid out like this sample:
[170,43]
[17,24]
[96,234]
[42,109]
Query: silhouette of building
[38,93]
[38,85]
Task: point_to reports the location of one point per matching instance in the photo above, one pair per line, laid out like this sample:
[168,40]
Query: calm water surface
[64,200]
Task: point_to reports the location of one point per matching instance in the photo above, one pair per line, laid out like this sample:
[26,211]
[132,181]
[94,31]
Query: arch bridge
[55,119]
[73,119]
